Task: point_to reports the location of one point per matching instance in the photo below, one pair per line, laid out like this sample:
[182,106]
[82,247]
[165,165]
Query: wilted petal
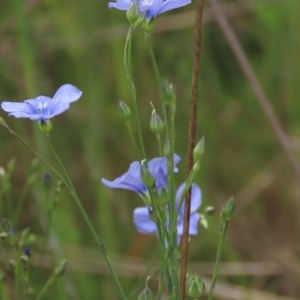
[142,221]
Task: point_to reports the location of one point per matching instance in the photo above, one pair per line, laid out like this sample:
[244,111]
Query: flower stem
[88,222]
[219,253]
[133,140]
[128,70]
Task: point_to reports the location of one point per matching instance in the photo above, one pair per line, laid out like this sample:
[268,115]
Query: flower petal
[142,221]
[128,181]
[193,230]
[17,109]
[195,201]
[65,95]
[120,4]
[171,4]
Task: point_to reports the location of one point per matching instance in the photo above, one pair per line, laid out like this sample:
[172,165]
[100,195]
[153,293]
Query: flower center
[147,2]
[42,106]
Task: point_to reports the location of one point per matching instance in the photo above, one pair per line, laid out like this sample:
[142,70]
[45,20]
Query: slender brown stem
[191,144]
[258,91]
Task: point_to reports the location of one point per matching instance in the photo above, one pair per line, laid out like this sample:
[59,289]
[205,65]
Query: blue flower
[145,225]
[43,108]
[132,181]
[151,7]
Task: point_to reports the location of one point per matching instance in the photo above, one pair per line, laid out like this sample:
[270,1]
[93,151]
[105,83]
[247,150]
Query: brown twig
[191,144]
[261,97]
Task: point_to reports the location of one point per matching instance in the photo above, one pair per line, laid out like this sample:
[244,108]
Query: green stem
[219,253]
[46,286]
[21,199]
[128,70]
[88,222]
[159,145]
[40,157]
[133,140]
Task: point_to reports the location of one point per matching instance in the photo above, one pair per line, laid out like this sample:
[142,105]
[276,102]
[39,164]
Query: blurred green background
[44,44]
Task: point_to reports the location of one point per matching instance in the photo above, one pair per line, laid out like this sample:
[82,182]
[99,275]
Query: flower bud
[168,93]
[163,197]
[4,236]
[45,126]
[123,111]
[199,149]
[34,164]
[133,12]
[47,182]
[227,210]
[148,26]
[210,210]
[196,166]
[12,265]
[2,172]
[195,287]
[5,224]
[11,165]
[156,123]
[24,260]
[2,122]
[145,294]
[141,19]
[147,177]
[61,268]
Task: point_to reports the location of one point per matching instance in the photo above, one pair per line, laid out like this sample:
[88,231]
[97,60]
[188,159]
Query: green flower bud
[199,149]
[163,198]
[12,265]
[196,166]
[227,210]
[5,224]
[147,177]
[31,240]
[123,111]
[195,287]
[2,122]
[141,19]
[203,221]
[45,127]
[2,172]
[168,93]
[25,233]
[24,260]
[145,294]
[61,268]
[11,165]
[210,210]
[148,26]
[156,123]
[133,12]
[4,236]
[34,164]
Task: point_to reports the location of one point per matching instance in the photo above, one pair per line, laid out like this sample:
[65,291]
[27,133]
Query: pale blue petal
[195,201]
[66,94]
[17,109]
[193,230]
[142,221]
[171,4]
